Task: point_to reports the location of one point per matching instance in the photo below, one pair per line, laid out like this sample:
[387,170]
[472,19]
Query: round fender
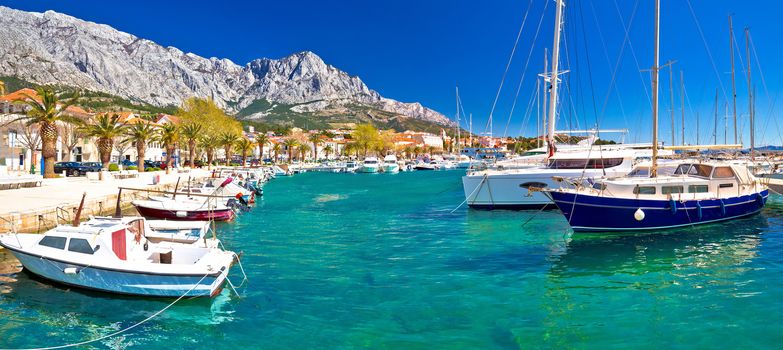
[722,208]
[698,209]
[638,214]
[673,206]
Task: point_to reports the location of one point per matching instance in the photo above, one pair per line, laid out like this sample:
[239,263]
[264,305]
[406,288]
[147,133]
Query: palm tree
[141,134]
[290,143]
[2,87]
[106,129]
[209,144]
[244,146]
[169,136]
[45,112]
[261,141]
[327,151]
[276,149]
[191,133]
[228,140]
[316,140]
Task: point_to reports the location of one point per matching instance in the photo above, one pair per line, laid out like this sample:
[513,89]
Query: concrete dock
[36,209]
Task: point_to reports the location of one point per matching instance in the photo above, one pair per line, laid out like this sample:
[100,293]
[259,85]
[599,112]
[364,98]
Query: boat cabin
[687,181]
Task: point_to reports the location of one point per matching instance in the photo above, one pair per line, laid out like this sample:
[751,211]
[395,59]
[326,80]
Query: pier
[35,209]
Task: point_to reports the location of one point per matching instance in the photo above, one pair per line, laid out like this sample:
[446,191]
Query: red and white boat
[176,209]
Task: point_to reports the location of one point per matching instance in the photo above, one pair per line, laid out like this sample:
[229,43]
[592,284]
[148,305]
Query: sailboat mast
[697,127]
[458,124]
[544,95]
[733,83]
[671,99]
[654,167]
[550,135]
[715,131]
[538,111]
[470,132]
[750,94]
[682,108]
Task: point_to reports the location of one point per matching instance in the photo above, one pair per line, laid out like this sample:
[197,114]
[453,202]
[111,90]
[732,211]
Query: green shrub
[114,167]
[132,167]
[155,169]
[147,169]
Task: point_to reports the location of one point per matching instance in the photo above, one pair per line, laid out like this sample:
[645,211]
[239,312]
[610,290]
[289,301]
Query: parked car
[75,168]
[127,163]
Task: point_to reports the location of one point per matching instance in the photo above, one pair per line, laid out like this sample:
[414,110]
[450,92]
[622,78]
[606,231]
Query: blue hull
[596,213]
[122,282]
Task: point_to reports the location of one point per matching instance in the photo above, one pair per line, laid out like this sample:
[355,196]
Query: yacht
[370,165]
[390,164]
[510,189]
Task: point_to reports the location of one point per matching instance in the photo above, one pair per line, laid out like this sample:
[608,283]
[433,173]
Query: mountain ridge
[54,48]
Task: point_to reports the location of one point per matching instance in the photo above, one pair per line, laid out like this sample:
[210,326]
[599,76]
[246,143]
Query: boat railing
[63,216]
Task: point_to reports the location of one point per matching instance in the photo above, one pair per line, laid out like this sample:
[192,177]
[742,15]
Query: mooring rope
[127,328]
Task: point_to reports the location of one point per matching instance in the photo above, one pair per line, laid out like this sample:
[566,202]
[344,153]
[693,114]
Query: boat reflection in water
[688,276]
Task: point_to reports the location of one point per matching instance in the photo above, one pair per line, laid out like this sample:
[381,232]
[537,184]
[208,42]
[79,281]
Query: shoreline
[36,209]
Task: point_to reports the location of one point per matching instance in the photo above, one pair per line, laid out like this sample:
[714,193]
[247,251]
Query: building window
[12,139]
[53,242]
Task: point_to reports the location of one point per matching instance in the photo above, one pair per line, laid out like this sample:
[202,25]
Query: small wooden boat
[115,255]
[184,209]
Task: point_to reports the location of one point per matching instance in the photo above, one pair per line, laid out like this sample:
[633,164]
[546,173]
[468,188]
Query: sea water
[377,261]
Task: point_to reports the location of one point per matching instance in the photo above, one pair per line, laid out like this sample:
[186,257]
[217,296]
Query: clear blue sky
[419,50]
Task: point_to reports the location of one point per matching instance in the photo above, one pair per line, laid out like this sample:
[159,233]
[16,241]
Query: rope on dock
[130,327]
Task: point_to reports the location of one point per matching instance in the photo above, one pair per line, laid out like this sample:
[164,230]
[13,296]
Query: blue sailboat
[696,192]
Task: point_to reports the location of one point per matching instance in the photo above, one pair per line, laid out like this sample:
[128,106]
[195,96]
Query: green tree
[261,141]
[46,111]
[141,134]
[105,128]
[316,140]
[209,144]
[290,143]
[169,136]
[365,136]
[244,146]
[206,113]
[327,151]
[228,140]
[191,132]
[276,148]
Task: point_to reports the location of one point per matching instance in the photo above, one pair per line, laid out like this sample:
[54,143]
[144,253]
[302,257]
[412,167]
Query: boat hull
[122,282]
[197,215]
[391,169]
[368,170]
[596,213]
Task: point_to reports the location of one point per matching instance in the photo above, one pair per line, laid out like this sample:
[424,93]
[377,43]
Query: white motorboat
[433,165]
[114,255]
[370,165]
[390,164]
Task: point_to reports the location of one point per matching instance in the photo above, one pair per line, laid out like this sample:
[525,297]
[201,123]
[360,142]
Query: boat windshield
[370,162]
[699,170]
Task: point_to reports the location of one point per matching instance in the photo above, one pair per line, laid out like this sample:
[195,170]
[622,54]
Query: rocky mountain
[51,47]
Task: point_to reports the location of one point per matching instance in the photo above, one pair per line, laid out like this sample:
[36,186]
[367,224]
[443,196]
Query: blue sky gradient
[420,50]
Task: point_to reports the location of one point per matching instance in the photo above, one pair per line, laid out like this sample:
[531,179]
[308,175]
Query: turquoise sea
[376,261]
